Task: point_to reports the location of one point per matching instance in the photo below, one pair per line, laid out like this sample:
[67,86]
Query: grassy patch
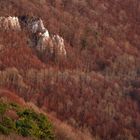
[28,124]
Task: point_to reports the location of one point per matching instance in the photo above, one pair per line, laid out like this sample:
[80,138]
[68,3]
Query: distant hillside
[95,91]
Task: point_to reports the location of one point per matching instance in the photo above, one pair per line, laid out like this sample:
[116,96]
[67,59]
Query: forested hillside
[95,87]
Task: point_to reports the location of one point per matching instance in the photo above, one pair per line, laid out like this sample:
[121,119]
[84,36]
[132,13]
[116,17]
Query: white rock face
[36,26]
[9,23]
[46,34]
[59,45]
[53,45]
[43,42]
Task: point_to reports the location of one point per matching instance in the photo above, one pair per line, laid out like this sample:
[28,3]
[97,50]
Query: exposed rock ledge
[53,45]
[7,23]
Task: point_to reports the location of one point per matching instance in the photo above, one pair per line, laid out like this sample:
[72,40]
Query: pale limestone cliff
[9,23]
[53,45]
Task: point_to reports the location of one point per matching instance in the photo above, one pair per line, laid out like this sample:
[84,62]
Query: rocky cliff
[40,37]
[9,23]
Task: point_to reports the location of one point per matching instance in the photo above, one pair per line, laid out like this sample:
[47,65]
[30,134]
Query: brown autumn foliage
[97,87]
[61,129]
[16,42]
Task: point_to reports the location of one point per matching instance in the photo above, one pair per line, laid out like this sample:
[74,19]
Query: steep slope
[22,120]
[22,56]
[96,88]
[14,110]
[91,26]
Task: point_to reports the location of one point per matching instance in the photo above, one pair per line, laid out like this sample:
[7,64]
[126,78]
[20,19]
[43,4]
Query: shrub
[3,108]
[8,123]
[23,127]
[4,130]
[28,123]
[33,124]
[14,106]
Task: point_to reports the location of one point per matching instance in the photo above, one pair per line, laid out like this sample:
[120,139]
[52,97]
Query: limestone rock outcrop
[33,24]
[40,37]
[59,46]
[37,26]
[54,45]
[51,44]
[9,23]
[43,41]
